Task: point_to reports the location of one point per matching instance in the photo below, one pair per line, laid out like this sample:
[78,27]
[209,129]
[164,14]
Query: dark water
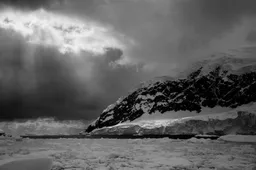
[118,136]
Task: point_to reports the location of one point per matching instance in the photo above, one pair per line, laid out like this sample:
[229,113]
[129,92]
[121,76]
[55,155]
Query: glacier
[237,121]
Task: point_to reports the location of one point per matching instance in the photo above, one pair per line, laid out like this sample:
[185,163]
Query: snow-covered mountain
[223,80]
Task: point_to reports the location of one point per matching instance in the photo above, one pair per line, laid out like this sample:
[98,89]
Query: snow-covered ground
[127,154]
[239,138]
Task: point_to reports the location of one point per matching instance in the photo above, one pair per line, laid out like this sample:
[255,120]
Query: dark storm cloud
[251,37]
[209,19]
[38,81]
[221,14]
[32,4]
[168,35]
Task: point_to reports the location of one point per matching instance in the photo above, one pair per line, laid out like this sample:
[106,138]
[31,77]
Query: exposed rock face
[225,81]
[239,122]
[2,133]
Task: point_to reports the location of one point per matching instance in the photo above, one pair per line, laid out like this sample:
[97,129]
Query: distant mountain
[42,126]
[226,80]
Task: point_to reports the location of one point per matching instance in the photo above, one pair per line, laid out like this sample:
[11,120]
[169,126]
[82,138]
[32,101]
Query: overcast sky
[72,58]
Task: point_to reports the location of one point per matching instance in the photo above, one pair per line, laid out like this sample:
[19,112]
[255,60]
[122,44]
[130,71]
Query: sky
[70,59]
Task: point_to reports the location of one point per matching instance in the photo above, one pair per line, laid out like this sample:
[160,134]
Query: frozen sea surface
[128,154]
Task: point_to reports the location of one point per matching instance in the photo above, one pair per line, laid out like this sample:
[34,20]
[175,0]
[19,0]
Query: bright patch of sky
[67,34]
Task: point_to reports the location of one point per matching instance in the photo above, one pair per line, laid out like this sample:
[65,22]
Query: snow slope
[238,121]
[235,61]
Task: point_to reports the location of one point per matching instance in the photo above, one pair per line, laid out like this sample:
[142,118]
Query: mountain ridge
[225,81]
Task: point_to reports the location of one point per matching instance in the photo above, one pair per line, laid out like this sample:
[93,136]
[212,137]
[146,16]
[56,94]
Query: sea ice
[28,164]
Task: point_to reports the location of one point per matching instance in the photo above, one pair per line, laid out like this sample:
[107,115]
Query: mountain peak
[235,61]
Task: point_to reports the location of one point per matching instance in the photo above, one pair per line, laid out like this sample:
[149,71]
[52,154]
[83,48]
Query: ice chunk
[239,138]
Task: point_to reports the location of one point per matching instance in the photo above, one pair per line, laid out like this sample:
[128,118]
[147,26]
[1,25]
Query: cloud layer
[31,4]
[167,33]
[41,82]
[70,59]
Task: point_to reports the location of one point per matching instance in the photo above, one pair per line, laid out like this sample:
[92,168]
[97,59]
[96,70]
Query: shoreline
[119,136]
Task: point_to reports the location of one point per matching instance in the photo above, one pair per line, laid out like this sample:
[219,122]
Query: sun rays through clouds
[67,34]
